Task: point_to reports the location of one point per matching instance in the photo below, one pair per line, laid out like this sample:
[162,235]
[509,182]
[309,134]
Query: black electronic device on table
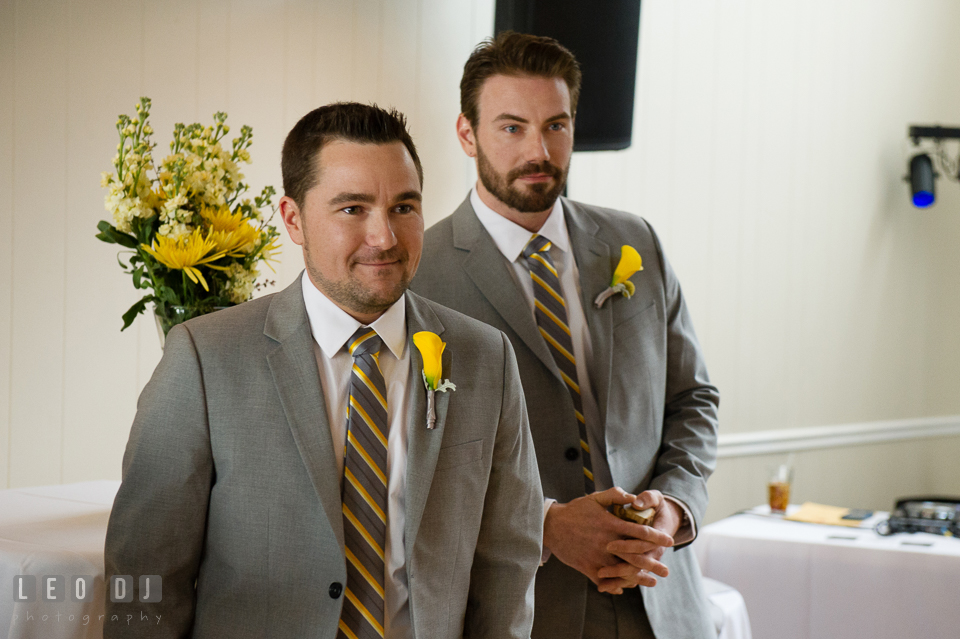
[936,515]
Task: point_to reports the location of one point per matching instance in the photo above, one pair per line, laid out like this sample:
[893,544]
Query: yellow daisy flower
[221,218]
[267,254]
[230,232]
[185,253]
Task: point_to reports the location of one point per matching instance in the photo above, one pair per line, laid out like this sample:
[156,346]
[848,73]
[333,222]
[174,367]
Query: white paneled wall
[769,147]
[68,378]
[6,233]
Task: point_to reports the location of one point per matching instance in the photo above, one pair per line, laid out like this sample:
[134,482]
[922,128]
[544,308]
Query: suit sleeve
[688,450]
[158,520]
[507,555]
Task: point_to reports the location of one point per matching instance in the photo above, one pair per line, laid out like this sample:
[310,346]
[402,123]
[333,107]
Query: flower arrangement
[193,241]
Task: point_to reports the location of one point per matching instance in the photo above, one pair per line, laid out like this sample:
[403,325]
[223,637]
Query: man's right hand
[578,533]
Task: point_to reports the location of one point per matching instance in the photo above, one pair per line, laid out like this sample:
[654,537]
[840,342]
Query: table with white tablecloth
[810,581]
[53,530]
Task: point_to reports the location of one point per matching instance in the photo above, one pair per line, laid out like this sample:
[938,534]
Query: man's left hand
[667,520]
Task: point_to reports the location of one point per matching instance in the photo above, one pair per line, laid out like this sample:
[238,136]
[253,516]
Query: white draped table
[53,530]
[809,581]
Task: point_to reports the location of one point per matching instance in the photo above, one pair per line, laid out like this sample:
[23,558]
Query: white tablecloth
[54,530]
[806,581]
[729,610]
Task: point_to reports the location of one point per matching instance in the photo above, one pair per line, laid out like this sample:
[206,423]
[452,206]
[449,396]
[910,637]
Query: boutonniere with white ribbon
[630,263]
[431,350]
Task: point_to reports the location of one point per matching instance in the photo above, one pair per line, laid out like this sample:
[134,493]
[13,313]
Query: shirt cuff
[688,528]
[545,552]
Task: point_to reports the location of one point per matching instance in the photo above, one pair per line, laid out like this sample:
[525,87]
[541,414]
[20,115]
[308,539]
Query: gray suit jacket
[230,490]
[656,403]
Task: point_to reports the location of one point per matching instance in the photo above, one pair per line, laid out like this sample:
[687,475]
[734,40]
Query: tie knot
[537,244]
[364,342]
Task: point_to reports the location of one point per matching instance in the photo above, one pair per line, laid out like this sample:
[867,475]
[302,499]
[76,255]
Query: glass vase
[169,315]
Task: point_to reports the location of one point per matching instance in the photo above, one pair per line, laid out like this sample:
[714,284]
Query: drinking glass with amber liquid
[778,488]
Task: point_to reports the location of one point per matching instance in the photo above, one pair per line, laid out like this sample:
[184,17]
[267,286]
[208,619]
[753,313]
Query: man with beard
[283,477]
[621,408]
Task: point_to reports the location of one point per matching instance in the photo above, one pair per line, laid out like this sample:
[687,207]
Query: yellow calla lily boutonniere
[630,263]
[431,350]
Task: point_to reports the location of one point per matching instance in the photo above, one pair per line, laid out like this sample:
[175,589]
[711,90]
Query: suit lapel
[491,273]
[294,368]
[596,267]
[423,446]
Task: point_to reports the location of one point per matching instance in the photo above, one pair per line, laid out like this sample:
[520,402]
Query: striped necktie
[365,491]
[550,312]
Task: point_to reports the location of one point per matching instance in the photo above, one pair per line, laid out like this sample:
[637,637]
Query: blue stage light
[923,199]
[922,181]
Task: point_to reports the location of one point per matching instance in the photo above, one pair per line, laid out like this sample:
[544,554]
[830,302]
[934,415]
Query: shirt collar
[511,238]
[331,326]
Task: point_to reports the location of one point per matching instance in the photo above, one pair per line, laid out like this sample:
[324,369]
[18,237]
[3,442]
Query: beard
[352,294]
[539,197]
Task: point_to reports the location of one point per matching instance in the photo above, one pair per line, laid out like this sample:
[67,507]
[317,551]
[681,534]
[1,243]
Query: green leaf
[111,235]
[137,274]
[168,295]
[104,226]
[135,310]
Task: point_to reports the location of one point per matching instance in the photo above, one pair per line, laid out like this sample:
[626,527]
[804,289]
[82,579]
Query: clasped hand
[614,554]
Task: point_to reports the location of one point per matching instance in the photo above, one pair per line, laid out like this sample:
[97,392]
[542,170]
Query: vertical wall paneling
[368,32]
[481,27]
[255,45]
[7,159]
[924,71]
[169,72]
[337,51]
[213,63]
[444,46]
[397,81]
[318,68]
[397,70]
[768,154]
[97,409]
[36,390]
[723,285]
[301,81]
[300,64]
[692,121]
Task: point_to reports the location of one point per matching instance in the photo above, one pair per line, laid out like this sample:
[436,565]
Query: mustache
[544,167]
[395,254]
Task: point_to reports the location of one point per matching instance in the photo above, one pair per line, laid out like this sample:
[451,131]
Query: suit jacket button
[335,589]
[572,454]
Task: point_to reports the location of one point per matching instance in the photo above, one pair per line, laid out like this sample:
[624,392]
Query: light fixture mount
[922,175]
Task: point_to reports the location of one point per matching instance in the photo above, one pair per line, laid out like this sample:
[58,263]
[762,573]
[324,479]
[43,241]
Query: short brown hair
[347,121]
[512,53]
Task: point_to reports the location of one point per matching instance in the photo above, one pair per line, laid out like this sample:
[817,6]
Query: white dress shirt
[511,239]
[332,327]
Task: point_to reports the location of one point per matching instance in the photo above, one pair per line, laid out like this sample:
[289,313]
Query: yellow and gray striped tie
[365,491]
[550,312]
